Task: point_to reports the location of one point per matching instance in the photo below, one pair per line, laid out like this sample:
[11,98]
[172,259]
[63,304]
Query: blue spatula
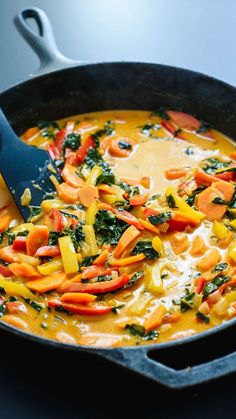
[23,166]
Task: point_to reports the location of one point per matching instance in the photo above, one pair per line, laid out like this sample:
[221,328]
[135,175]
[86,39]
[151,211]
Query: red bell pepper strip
[227,176]
[62,134]
[200,284]
[57,218]
[149,211]
[54,152]
[5,271]
[98,287]
[50,251]
[19,243]
[82,309]
[84,148]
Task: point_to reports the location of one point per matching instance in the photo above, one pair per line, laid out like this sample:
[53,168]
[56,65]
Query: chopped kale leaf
[220,267]
[124,145]
[171,201]
[108,228]
[219,201]
[203,317]
[160,218]
[72,141]
[145,247]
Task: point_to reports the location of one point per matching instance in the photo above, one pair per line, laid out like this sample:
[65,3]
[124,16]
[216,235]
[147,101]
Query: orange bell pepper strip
[5,271]
[155,318]
[127,237]
[209,260]
[77,297]
[98,287]
[82,309]
[128,261]
[36,238]
[48,283]
[94,270]
[102,258]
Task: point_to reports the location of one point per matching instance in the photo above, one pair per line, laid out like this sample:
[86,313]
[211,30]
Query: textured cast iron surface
[98,87]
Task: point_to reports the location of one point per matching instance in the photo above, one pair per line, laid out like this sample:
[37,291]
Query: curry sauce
[137,244]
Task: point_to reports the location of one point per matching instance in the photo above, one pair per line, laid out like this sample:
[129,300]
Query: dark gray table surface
[195,34]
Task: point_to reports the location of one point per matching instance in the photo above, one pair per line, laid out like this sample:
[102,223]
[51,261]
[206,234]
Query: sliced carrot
[233,155]
[203,178]
[155,318]
[4,222]
[198,247]
[104,143]
[100,340]
[24,269]
[8,254]
[226,188]
[70,177]
[209,260]
[130,181]
[36,238]
[48,283]
[199,283]
[149,227]
[102,258]
[128,261]
[67,193]
[138,199]
[172,174]
[179,242]
[117,150]
[214,212]
[184,120]
[78,297]
[127,237]
[87,195]
[49,251]
[102,187]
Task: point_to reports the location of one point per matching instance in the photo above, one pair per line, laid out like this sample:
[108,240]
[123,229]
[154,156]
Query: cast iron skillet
[63,87]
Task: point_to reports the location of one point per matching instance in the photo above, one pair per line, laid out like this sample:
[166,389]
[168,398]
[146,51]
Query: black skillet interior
[84,88]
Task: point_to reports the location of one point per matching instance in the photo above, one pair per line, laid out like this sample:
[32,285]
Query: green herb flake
[134,279]
[124,145]
[219,201]
[33,304]
[220,267]
[116,309]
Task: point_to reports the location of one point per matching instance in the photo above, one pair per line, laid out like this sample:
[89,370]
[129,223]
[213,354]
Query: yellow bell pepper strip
[47,283]
[127,261]
[98,287]
[232,251]
[83,309]
[90,213]
[219,230]
[154,281]
[68,254]
[90,240]
[158,245]
[93,175]
[48,268]
[183,206]
[13,288]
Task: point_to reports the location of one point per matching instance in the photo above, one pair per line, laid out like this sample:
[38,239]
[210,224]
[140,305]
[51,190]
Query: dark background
[36,382]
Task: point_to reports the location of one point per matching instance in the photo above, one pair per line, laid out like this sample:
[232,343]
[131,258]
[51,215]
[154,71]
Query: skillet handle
[139,360]
[43,43]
